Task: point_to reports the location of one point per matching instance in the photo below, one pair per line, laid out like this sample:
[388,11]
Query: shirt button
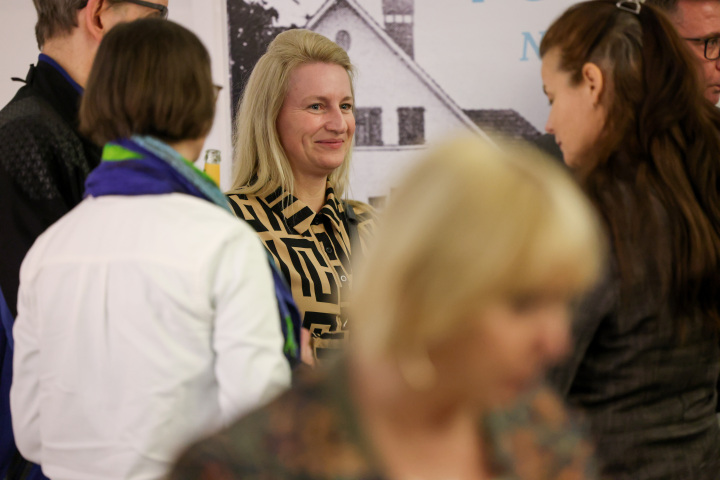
[328,249]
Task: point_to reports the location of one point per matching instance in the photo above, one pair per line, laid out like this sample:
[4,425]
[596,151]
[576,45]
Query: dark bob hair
[150,77]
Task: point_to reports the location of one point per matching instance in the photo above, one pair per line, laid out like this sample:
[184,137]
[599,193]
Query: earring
[417,370]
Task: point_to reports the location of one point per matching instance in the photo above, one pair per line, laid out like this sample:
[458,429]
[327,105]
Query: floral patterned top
[312,432]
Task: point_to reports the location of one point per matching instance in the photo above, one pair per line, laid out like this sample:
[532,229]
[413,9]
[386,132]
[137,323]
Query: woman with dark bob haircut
[629,114]
[147,315]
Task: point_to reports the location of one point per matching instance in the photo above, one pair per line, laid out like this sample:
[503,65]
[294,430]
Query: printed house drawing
[400,108]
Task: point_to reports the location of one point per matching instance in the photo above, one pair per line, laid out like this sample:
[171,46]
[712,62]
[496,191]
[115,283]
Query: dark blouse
[648,389]
[312,432]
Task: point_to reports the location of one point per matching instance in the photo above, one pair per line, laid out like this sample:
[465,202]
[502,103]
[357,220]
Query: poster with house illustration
[425,69]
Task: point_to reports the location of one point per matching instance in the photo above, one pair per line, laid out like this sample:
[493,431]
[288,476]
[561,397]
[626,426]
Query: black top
[43,165]
[648,387]
[313,432]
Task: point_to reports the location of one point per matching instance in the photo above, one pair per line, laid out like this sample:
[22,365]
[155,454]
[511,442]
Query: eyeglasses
[162,9]
[712,46]
[156,6]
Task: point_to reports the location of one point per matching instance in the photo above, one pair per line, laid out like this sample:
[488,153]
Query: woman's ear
[594,81]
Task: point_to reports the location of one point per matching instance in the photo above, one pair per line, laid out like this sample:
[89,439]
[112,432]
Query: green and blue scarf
[144,165]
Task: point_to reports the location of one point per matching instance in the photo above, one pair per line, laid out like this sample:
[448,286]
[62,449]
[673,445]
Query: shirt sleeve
[25,390]
[250,366]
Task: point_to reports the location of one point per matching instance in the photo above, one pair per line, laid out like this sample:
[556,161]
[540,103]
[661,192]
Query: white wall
[18,48]
[477,51]
[207,18]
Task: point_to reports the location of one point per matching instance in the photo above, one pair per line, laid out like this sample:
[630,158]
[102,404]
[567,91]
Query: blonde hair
[471,224]
[261,165]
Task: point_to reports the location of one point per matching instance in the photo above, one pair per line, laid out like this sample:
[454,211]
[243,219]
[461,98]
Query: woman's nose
[336,121]
[548,127]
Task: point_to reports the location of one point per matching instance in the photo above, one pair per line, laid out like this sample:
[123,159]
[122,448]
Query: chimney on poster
[399,18]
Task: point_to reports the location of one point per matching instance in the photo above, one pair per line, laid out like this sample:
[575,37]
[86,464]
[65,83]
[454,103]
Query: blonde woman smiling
[295,128]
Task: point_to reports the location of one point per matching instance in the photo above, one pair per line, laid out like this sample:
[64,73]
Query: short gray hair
[57,17]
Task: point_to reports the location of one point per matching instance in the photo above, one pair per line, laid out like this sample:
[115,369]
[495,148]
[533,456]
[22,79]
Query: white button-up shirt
[143,322]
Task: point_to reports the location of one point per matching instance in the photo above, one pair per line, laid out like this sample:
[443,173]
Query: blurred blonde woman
[461,307]
[294,133]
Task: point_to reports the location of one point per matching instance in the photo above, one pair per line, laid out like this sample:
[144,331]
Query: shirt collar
[50,61]
[332,208]
[299,216]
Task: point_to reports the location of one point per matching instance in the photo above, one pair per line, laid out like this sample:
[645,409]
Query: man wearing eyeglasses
[698,22]
[43,159]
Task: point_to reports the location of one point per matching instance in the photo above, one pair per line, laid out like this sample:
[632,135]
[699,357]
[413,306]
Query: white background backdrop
[475,50]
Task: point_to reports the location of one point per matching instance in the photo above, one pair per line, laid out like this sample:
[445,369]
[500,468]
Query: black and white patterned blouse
[314,252]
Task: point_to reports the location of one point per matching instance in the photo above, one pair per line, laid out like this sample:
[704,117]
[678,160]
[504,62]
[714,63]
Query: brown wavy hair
[656,183]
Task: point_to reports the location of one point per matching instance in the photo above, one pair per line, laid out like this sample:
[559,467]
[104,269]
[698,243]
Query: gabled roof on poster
[505,120]
[400,53]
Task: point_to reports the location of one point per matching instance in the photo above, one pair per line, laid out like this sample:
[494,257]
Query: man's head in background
[698,22]
[70,31]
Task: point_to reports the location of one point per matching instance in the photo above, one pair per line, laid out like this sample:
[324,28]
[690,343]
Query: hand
[306,351]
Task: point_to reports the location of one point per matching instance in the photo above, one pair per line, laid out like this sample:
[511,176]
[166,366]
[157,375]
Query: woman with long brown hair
[628,113]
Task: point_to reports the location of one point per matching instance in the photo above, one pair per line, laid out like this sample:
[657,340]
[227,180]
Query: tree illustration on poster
[250,27]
